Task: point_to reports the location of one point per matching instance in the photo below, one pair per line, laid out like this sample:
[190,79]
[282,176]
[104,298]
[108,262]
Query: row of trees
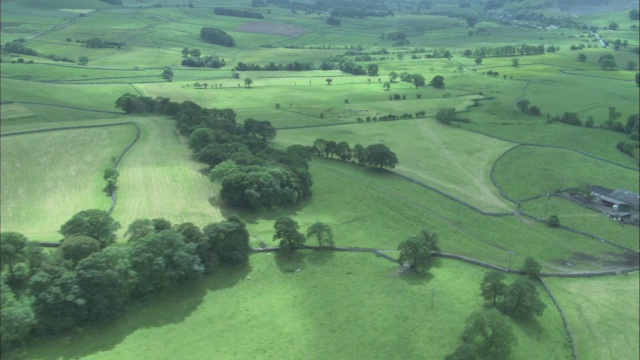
[88,279]
[525,106]
[507,50]
[294,66]
[216,36]
[351,67]
[376,155]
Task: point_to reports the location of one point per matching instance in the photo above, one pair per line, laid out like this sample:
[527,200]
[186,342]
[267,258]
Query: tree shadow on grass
[254,216]
[169,307]
[415,278]
[531,327]
[290,261]
[320,256]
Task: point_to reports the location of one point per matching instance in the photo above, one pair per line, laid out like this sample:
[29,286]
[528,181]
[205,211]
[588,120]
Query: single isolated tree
[582,57]
[416,251]
[478,60]
[446,116]
[515,62]
[553,221]
[437,82]
[329,81]
[83,60]
[167,74]
[523,105]
[493,286]
[248,82]
[322,232]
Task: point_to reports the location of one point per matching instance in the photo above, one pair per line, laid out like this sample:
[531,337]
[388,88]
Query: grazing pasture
[47,177]
[371,312]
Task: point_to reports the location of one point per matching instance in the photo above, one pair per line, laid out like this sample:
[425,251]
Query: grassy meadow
[47,177]
[339,305]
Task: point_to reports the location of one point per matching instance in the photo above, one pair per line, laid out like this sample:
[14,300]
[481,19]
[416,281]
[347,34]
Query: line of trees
[295,66]
[376,155]
[88,279]
[238,13]
[351,67]
[216,36]
[507,50]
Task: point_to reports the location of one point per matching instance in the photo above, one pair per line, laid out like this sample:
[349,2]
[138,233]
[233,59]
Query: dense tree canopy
[437,82]
[493,286]
[97,224]
[490,334]
[322,233]
[216,36]
[287,232]
[229,240]
[521,300]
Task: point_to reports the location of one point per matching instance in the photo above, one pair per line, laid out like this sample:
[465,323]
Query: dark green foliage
[466,351]
[446,116]
[12,250]
[229,240]
[437,82]
[417,249]
[322,232]
[17,318]
[333,21]
[18,47]
[418,80]
[83,60]
[193,235]
[259,129]
[379,155]
[493,287]
[94,42]
[57,302]
[104,282]
[523,105]
[214,62]
[160,260]
[160,225]
[634,14]
[522,300]
[263,187]
[139,229]
[553,221]
[97,224]
[78,247]
[216,36]
[490,334]
[607,61]
[531,268]
[167,74]
[287,232]
[582,57]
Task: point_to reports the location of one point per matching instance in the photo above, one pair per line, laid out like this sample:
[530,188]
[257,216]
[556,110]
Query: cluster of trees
[110,175]
[295,66]
[98,43]
[492,73]
[376,155]
[351,67]
[333,21]
[487,334]
[191,58]
[88,279]
[525,107]
[360,12]
[238,13]
[216,36]
[252,175]
[416,79]
[507,50]
[290,238]
[393,36]
[448,115]
[18,47]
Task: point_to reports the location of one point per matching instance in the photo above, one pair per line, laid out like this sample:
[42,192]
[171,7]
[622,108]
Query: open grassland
[598,142]
[48,177]
[339,306]
[369,208]
[603,313]
[449,159]
[584,219]
[159,180]
[528,171]
[18,117]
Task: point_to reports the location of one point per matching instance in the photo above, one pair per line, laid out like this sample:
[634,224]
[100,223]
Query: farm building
[625,200]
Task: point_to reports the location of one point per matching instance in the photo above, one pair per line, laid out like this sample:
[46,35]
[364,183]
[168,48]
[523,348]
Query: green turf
[48,177]
[584,219]
[528,171]
[603,313]
[158,179]
[264,311]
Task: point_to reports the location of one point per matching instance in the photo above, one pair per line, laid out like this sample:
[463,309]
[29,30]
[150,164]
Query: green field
[48,177]
[528,171]
[159,180]
[603,313]
[339,305]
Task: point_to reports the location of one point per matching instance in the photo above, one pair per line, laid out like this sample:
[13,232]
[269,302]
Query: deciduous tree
[522,300]
[97,224]
[322,232]
[493,287]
